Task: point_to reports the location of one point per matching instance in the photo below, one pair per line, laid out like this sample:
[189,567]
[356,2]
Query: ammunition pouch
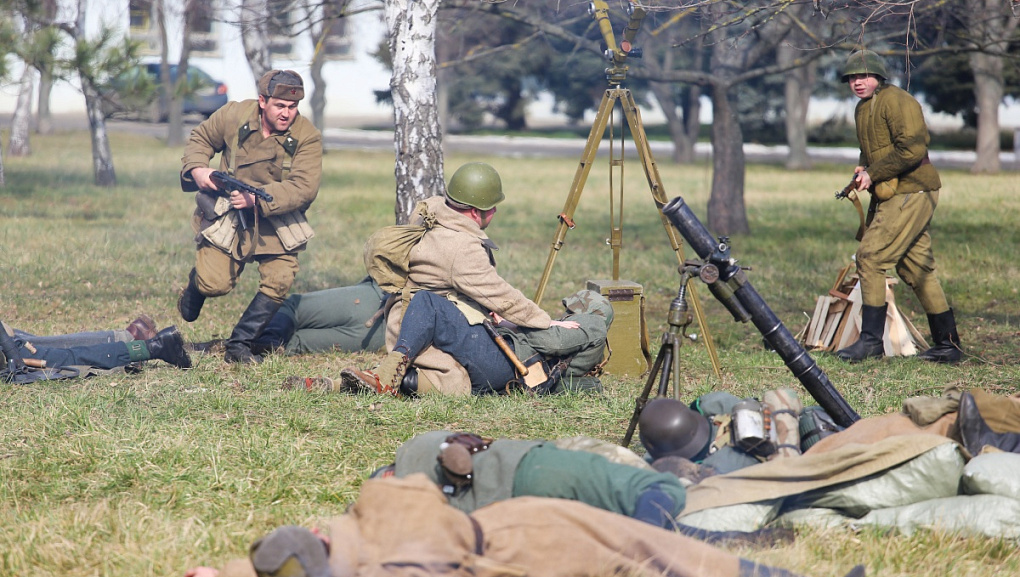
[455,464]
[292,228]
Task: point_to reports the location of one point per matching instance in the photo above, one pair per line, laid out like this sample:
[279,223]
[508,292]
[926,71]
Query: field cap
[282,84]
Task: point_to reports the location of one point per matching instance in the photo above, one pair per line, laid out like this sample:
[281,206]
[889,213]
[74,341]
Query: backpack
[388,249]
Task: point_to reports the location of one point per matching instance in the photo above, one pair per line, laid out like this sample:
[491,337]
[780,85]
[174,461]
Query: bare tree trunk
[255,36]
[992,24]
[417,134]
[726,211]
[797,91]
[175,104]
[989,88]
[683,148]
[21,123]
[102,158]
[44,119]
[318,98]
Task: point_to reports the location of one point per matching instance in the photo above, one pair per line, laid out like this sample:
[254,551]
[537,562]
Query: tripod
[667,362]
[616,74]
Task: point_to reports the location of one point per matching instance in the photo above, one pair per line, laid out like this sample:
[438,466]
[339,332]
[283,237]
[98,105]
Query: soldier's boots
[871,344]
[189,304]
[142,328]
[168,346]
[748,568]
[384,379]
[237,349]
[947,341]
[976,433]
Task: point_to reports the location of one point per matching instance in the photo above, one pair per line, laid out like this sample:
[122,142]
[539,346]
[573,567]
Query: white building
[352,74]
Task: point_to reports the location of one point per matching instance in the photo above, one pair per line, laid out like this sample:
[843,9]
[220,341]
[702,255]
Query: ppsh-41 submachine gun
[227,183]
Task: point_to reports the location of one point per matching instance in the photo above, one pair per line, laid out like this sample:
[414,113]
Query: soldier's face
[277,114]
[863,85]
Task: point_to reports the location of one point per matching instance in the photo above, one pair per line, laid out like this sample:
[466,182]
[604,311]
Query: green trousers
[897,237]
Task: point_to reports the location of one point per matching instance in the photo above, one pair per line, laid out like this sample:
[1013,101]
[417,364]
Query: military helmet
[864,62]
[476,185]
[290,551]
[669,428]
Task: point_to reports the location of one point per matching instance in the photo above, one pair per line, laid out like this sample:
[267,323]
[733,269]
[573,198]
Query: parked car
[134,93]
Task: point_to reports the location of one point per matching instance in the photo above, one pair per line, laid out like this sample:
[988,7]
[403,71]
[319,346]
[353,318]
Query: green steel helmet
[864,62]
[476,185]
[669,428]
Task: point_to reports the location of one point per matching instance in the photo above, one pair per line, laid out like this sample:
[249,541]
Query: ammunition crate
[628,335]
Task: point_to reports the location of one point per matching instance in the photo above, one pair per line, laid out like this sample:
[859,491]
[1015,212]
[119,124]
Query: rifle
[850,191]
[226,183]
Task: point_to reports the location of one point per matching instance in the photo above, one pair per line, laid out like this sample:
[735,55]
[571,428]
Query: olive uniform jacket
[404,528]
[455,257]
[259,162]
[894,140]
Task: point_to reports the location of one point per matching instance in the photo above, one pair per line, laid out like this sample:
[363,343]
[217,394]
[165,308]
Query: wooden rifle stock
[491,329]
[850,191]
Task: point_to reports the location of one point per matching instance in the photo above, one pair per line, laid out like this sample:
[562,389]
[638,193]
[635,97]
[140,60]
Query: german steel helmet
[864,62]
[669,428]
[477,185]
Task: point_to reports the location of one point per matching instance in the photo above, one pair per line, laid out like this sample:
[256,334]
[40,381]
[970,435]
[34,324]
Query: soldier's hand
[201,572]
[241,200]
[566,324]
[202,178]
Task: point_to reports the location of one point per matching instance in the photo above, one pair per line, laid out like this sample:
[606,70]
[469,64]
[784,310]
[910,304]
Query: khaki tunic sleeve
[474,276]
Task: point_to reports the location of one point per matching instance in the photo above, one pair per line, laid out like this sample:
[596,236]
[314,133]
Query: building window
[338,45]
[280,27]
[204,38]
[142,26]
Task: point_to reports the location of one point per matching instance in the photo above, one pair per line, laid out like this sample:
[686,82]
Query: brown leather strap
[479,536]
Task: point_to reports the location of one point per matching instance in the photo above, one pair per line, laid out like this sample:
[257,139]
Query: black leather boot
[976,433]
[190,302]
[238,346]
[872,342]
[946,348]
[275,336]
[168,346]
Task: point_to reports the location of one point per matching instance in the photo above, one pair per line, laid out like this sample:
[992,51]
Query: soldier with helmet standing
[455,259]
[265,143]
[904,186]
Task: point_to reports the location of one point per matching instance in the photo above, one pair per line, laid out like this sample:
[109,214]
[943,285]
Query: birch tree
[254,22]
[417,134]
[21,122]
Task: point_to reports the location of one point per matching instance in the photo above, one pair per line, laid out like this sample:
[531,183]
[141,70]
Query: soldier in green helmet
[904,185]
[455,259]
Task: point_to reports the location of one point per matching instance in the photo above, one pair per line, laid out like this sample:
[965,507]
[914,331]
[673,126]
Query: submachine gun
[729,284]
[227,182]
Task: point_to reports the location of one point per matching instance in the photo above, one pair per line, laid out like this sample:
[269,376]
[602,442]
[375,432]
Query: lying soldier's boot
[748,568]
[872,343]
[143,328]
[385,378]
[168,346]
[765,537]
[975,432]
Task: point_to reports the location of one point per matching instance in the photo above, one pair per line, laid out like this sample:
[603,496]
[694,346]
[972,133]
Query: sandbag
[992,474]
[744,517]
[933,474]
[965,515]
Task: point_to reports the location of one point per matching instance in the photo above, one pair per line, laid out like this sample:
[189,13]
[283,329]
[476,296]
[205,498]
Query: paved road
[523,146]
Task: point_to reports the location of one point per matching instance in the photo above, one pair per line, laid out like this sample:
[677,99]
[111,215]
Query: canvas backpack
[388,249]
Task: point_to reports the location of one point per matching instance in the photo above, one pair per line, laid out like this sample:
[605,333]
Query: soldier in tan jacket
[403,527]
[455,259]
[267,144]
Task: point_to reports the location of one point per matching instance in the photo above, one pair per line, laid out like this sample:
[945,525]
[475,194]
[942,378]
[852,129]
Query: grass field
[148,474]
